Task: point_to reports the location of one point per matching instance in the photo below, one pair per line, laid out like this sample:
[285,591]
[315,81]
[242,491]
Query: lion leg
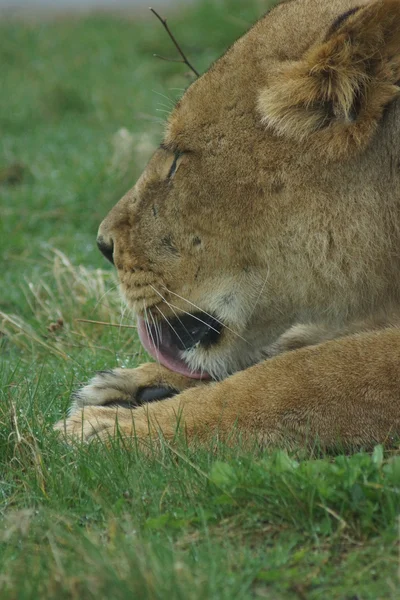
[152,381]
[131,387]
[311,334]
[341,394]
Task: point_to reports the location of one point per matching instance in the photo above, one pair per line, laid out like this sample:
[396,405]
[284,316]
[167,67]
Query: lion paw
[129,388]
[97,423]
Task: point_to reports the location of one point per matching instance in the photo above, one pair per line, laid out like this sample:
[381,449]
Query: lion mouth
[167,341]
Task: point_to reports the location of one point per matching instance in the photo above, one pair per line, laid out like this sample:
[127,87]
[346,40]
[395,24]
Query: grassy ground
[81,108]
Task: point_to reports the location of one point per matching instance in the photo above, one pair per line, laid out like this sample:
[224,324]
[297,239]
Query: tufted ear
[336,93]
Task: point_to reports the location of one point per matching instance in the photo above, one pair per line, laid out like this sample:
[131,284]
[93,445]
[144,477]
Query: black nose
[106,248]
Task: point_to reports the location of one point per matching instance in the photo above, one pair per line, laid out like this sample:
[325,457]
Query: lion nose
[106,248]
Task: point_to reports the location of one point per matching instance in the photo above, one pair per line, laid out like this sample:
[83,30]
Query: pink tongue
[165,353]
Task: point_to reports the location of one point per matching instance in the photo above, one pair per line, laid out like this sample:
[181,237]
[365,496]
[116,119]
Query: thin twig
[168,59]
[104,323]
[177,46]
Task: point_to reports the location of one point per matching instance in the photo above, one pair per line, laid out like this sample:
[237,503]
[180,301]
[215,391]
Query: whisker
[195,306]
[206,313]
[99,300]
[173,329]
[157,332]
[172,308]
[169,100]
[165,106]
[122,315]
[194,317]
[259,295]
[159,327]
[148,327]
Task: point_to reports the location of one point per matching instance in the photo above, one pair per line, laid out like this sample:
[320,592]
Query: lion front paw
[98,423]
[129,388]
[106,387]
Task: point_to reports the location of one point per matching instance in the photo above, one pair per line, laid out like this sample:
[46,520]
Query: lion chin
[260,247]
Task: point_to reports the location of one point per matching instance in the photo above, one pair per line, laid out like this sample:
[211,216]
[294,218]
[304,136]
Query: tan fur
[334,96]
[282,220]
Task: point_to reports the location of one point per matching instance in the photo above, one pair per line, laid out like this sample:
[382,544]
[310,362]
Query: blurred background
[81,5]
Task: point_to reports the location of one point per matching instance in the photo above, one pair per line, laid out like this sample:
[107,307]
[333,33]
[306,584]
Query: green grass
[81,108]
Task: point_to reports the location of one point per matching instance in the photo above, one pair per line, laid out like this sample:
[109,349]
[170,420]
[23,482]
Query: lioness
[260,249]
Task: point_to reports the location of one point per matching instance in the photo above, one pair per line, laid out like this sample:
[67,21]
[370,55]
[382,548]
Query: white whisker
[259,296]
[171,103]
[172,308]
[195,317]
[173,329]
[148,327]
[99,300]
[206,313]
[157,331]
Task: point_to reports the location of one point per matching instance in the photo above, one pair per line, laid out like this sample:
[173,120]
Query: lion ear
[336,93]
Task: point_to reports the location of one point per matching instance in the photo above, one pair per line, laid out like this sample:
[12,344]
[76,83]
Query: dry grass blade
[66,295]
[26,452]
[21,333]
[106,324]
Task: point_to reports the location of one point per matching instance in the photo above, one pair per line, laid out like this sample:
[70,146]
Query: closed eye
[174,165]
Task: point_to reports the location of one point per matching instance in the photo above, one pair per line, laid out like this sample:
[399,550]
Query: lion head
[274,198]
